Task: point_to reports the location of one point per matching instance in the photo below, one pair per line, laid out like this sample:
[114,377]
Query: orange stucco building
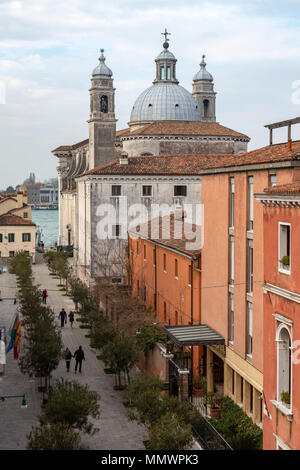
[281,215]
[232,268]
[167,276]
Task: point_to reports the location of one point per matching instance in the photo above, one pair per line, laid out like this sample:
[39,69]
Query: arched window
[284,365]
[206,107]
[104,104]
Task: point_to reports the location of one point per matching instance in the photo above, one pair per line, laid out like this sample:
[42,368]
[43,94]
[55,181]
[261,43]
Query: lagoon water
[47,222]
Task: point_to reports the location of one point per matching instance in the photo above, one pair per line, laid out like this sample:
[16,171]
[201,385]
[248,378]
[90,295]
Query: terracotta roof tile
[165,231]
[8,197]
[196,164]
[285,189]
[84,143]
[184,128]
[11,219]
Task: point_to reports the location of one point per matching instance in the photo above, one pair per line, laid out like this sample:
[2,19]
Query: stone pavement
[116,431]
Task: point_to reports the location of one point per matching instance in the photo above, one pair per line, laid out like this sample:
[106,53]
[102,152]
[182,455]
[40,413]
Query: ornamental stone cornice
[138,178]
[185,138]
[279,200]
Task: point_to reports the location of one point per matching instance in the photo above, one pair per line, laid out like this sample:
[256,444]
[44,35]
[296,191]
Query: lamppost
[23,404]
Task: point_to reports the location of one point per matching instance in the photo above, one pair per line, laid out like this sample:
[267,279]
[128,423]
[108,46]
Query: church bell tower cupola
[102,122]
[204,94]
[165,64]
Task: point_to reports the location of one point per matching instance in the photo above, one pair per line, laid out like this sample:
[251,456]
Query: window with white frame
[250,267]
[250,194]
[231,260]
[284,247]
[249,328]
[231,208]
[180,190]
[116,190]
[147,190]
[231,317]
[284,365]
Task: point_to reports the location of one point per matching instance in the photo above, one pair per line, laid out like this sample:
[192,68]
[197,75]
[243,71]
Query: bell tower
[204,94]
[102,122]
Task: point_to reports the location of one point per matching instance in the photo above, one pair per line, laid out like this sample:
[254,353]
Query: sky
[48,49]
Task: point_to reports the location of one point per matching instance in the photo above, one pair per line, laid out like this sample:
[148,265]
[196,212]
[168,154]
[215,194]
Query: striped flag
[15,338]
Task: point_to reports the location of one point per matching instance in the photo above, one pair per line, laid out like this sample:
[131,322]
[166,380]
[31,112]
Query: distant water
[47,222]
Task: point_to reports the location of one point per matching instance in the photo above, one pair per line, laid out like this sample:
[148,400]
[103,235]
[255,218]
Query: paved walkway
[116,431]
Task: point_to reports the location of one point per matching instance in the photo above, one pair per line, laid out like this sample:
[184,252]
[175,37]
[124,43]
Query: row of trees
[68,404]
[66,414]
[166,417]
[116,337]
[41,338]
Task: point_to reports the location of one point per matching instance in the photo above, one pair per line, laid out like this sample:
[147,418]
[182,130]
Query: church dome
[165,102]
[102,70]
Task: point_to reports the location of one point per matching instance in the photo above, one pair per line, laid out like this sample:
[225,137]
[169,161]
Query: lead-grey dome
[165,102]
[203,74]
[102,70]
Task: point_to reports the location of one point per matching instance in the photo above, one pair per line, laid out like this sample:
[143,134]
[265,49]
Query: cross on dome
[165,44]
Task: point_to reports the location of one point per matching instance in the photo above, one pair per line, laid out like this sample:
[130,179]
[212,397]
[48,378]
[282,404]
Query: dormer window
[176,105]
[149,105]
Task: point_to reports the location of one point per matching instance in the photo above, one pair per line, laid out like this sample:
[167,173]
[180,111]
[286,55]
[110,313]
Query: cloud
[48,49]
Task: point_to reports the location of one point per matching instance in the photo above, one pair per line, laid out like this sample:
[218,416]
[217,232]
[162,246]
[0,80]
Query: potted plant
[285,261]
[285,398]
[213,401]
[199,386]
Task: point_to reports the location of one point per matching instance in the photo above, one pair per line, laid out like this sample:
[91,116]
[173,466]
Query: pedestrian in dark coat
[79,356]
[63,317]
[44,295]
[71,318]
[68,357]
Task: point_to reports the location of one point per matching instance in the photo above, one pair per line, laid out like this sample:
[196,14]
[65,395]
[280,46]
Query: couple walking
[79,357]
[63,318]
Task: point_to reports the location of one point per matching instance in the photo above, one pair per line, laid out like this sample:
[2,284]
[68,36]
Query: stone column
[257,403]
[247,397]
[227,380]
[210,370]
[237,388]
[62,170]
[183,384]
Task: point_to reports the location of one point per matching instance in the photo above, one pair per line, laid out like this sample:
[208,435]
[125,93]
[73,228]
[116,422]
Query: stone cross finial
[166,35]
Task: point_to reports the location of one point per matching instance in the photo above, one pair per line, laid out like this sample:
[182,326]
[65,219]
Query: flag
[15,338]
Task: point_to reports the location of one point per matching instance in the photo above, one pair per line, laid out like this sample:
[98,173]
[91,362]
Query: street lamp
[23,404]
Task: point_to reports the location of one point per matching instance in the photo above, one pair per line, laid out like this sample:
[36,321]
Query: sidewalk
[116,431]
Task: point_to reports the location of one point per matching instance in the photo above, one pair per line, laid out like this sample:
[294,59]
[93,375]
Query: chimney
[124,158]
[20,199]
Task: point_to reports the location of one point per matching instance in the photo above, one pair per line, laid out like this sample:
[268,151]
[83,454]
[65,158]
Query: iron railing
[206,433]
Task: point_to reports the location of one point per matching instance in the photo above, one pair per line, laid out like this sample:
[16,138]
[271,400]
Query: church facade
[154,161]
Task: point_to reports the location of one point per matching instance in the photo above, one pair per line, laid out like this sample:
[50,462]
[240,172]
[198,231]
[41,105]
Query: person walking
[44,295]
[68,357]
[63,317]
[71,318]
[79,356]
